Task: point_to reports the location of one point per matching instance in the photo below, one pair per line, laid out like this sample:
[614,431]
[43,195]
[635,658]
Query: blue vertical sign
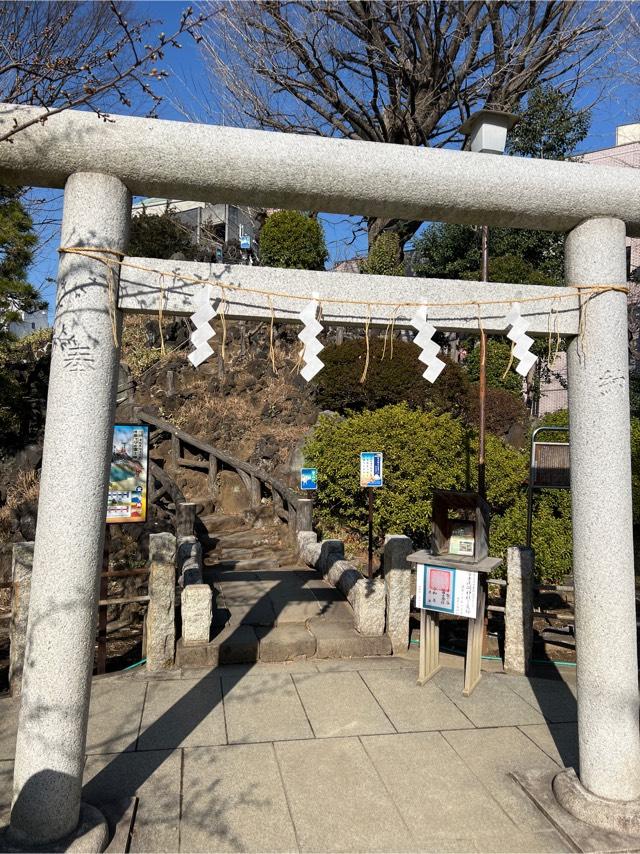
[370,469]
[308,479]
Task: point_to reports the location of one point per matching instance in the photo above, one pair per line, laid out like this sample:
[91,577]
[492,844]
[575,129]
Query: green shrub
[503,410]
[498,355]
[423,451]
[388,380]
[550,536]
[291,239]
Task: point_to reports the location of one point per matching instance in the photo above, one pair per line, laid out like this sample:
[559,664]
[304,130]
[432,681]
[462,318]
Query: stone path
[268,607]
[323,756]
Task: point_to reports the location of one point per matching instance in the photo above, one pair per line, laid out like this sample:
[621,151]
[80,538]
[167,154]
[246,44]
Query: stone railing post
[160,624]
[397,579]
[518,612]
[197,613]
[304,518]
[21,566]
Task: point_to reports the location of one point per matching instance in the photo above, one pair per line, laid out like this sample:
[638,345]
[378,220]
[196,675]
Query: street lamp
[487,130]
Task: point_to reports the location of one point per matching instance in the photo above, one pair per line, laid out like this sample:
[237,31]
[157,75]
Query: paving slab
[439,794]
[585,837]
[233,800]
[263,707]
[182,714]
[339,704]
[382,662]
[155,777]
[492,702]
[114,715]
[286,641]
[246,599]
[522,843]
[292,600]
[6,791]
[337,800]
[412,707]
[9,710]
[555,699]
[559,742]
[492,755]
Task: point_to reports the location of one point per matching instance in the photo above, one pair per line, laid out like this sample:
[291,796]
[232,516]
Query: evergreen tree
[17,244]
[384,257]
[160,236]
[550,128]
[292,239]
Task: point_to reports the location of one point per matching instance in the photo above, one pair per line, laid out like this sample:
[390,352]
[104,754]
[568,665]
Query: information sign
[308,478]
[127,501]
[448,590]
[371,469]
[245,242]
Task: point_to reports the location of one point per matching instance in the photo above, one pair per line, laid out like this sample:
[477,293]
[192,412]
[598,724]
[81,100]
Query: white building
[215,225]
[29,322]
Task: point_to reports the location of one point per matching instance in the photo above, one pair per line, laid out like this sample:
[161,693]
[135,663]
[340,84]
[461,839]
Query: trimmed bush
[388,380]
[423,451]
[291,239]
[551,535]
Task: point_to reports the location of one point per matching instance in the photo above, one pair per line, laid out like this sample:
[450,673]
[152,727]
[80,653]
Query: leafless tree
[395,71]
[62,54]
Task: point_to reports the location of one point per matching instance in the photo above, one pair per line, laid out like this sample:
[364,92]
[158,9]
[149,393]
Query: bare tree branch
[61,54]
[399,71]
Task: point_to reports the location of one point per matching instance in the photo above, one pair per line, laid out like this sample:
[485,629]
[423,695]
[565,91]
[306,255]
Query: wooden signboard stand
[471,511]
[430,623]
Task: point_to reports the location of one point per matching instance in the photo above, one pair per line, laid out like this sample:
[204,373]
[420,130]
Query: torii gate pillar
[50,750]
[609,787]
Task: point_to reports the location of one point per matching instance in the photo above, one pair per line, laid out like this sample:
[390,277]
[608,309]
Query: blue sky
[618,105]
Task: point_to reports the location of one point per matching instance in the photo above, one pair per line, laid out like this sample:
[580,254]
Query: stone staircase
[267,606]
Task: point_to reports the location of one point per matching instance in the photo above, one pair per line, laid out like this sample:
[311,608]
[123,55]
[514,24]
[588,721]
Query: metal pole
[483,371]
[370,567]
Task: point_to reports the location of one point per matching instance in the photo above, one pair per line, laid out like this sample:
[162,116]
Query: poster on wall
[448,590]
[127,501]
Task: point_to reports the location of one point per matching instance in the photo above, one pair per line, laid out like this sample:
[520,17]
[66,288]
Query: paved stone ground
[323,756]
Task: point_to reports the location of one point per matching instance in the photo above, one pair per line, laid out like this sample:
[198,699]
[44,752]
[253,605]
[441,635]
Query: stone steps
[318,638]
[248,565]
[218,523]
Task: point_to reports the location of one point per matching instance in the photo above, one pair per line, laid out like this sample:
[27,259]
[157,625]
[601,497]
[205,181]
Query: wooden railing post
[185,519]
[212,476]
[256,491]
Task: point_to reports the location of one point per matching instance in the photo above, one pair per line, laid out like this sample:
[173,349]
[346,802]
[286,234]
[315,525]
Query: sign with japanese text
[127,500]
[308,478]
[371,469]
[448,590]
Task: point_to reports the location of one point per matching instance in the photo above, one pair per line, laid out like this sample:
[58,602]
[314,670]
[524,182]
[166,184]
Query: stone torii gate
[100,164]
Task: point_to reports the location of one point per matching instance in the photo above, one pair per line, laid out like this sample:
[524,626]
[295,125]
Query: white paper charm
[309,337]
[429,348]
[203,330]
[522,342]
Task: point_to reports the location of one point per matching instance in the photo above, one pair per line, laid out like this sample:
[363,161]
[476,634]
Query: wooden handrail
[246,469]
